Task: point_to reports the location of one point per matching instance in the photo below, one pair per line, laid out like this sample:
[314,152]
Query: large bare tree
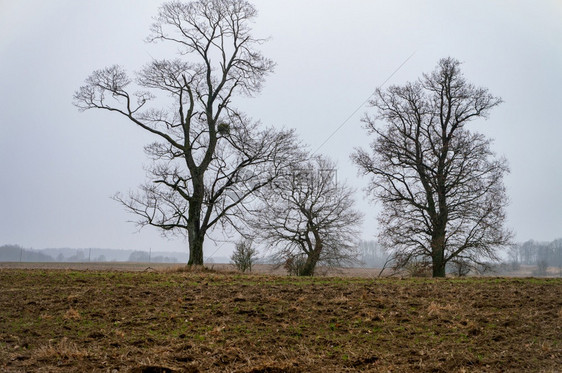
[307,218]
[208,157]
[440,184]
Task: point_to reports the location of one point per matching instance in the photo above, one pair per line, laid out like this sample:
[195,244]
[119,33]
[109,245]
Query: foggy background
[59,167]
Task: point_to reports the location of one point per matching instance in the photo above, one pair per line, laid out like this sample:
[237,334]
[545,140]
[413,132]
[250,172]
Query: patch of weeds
[65,349]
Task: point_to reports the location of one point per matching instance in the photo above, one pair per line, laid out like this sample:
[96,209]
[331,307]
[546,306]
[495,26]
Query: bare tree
[308,218]
[440,185]
[208,157]
[244,255]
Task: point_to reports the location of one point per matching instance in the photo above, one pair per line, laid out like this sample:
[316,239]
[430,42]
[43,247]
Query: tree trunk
[311,260]
[309,266]
[438,255]
[195,248]
[195,234]
[438,266]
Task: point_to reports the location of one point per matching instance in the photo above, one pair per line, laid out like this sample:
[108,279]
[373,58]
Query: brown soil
[174,321]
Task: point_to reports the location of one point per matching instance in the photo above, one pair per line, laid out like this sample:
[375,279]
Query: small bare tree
[308,218]
[440,185]
[244,256]
[208,157]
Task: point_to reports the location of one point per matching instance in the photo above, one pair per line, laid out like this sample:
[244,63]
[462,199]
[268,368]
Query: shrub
[418,269]
[295,264]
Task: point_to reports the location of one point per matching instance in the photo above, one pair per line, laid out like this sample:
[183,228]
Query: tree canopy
[206,152]
[308,217]
[439,183]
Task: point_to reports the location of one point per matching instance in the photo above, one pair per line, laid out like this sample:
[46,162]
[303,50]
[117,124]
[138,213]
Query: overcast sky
[59,167]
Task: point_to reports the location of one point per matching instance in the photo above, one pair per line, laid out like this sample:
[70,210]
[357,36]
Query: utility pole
[149,253]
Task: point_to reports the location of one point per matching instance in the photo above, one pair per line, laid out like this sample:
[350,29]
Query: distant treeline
[372,254]
[533,253]
[16,253]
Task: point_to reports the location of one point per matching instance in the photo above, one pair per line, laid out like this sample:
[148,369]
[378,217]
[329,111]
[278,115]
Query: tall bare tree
[207,154]
[440,184]
[308,218]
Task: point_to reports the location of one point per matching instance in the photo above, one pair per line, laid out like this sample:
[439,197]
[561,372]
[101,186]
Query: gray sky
[60,167]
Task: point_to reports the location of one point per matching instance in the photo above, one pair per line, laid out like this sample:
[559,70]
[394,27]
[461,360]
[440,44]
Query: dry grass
[436,308]
[61,350]
[72,314]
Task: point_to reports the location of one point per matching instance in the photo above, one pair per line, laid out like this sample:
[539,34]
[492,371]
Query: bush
[295,264]
[418,269]
[244,256]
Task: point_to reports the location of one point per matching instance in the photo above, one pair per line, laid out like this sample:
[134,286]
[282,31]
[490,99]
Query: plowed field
[103,321]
